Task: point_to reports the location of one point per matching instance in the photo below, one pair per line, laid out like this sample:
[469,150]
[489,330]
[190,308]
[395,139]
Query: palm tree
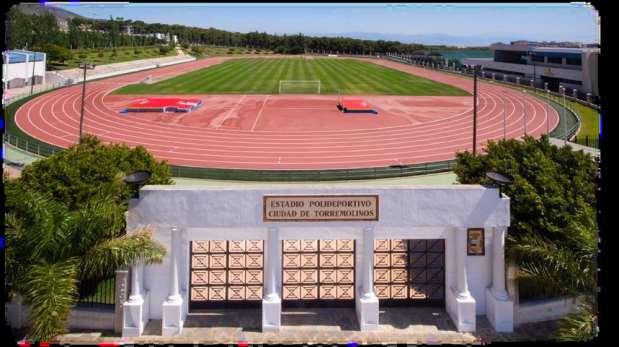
[50,249]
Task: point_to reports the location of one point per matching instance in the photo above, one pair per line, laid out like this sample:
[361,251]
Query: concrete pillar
[172,311]
[464,312]
[366,304]
[462,279]
[499,306]
[498,264]
[272,303]
[120,293]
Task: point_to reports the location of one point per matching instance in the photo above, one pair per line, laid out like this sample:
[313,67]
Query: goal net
[299,86]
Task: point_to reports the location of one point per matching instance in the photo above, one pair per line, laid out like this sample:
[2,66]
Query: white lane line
[230,112]
[259,113]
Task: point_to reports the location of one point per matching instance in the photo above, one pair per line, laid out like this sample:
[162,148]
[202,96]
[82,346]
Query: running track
[240,137]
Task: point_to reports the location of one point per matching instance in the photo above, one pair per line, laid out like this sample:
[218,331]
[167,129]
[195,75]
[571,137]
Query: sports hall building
[573,68]
[320,245]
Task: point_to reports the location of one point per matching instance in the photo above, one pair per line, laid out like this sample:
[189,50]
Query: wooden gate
[318,273]
[226,274]
[408,272]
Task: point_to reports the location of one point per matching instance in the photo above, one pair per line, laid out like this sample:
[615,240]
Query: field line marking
[259,113]
[229,112]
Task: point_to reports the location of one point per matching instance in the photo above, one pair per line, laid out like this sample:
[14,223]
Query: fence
[569,117]
[525,83]
[593,142]
[98,292]
[312,175]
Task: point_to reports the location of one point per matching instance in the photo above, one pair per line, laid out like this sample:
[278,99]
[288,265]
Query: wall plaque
[320,208]
[475,244]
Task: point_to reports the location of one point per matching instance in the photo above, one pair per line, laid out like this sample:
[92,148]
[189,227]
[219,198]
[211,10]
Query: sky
[558,22]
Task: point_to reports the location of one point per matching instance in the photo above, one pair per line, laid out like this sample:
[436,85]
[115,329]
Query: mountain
[430,39]
[61,15]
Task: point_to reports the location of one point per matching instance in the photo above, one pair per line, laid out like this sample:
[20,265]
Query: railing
[593,142]
[97,293]
[564,131]
[463,70]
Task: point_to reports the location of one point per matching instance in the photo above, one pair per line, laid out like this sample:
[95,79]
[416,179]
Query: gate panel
[409,272]
[318,272]
[226,274]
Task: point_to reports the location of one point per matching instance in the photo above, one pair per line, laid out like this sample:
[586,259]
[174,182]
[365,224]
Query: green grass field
[262,76]
[106,56]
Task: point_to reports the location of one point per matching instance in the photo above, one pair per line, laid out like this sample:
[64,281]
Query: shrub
[86,170]
[552,232]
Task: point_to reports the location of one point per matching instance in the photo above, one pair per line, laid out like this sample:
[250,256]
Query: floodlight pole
[504,119]
[475,109]
[32,81]
[524,114]
[84,66]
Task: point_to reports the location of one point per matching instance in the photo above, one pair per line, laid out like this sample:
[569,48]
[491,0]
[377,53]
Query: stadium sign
[320,208]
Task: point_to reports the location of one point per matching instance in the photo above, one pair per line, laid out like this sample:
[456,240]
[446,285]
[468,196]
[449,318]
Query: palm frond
[123,251]
[52,291]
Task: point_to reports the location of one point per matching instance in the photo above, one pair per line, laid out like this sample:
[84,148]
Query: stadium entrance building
[274,247]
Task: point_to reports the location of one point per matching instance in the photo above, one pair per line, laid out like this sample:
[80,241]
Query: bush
[552,232]
[75,176]
[100,54]
[164,50]
[184,45]
[57,53]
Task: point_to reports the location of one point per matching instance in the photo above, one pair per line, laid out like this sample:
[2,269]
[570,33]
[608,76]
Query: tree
[76,175]
[552,232]
[50,249]
[56,53]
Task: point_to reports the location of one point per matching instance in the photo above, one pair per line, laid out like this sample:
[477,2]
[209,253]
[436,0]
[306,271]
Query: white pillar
[366,304]
[498,264]
[462,280]
[136,283]
[172,310]
[499,306]
[461,304]
[174,294]
[368,263]
[271,302]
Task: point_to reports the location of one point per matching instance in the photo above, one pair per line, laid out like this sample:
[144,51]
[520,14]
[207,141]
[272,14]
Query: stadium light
[500,179]
[547,118]
[84,66]
[34,62]
[136,180]
[564,125]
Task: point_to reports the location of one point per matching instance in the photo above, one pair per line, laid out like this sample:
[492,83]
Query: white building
[574,68]
[321,245]
[18,68]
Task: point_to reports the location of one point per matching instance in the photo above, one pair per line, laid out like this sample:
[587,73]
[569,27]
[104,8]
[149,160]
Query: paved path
[560,143]
[421,325]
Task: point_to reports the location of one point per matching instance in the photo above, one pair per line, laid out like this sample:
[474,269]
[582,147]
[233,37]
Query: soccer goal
[299,86]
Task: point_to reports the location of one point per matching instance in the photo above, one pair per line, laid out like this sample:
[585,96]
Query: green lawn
[262,76]
[105,56]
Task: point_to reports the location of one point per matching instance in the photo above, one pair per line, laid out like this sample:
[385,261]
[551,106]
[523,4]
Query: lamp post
[547,118]
[475,69]
[84,66]
[524,114]
[564,126]
[504,119]
[34,61]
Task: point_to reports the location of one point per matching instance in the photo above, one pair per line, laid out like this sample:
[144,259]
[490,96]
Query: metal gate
[409,272]
[318,273]
[226,274]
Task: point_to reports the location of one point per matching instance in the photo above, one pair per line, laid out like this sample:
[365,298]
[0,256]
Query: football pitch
[263,76]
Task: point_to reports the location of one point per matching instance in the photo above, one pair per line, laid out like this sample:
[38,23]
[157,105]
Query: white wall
[411,212]
[22,70]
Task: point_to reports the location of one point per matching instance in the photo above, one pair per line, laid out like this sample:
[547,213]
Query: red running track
[278,132]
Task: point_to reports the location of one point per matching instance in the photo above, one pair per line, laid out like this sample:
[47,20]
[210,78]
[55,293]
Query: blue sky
[560,22]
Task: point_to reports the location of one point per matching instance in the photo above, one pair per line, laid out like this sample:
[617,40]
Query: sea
[466,53]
